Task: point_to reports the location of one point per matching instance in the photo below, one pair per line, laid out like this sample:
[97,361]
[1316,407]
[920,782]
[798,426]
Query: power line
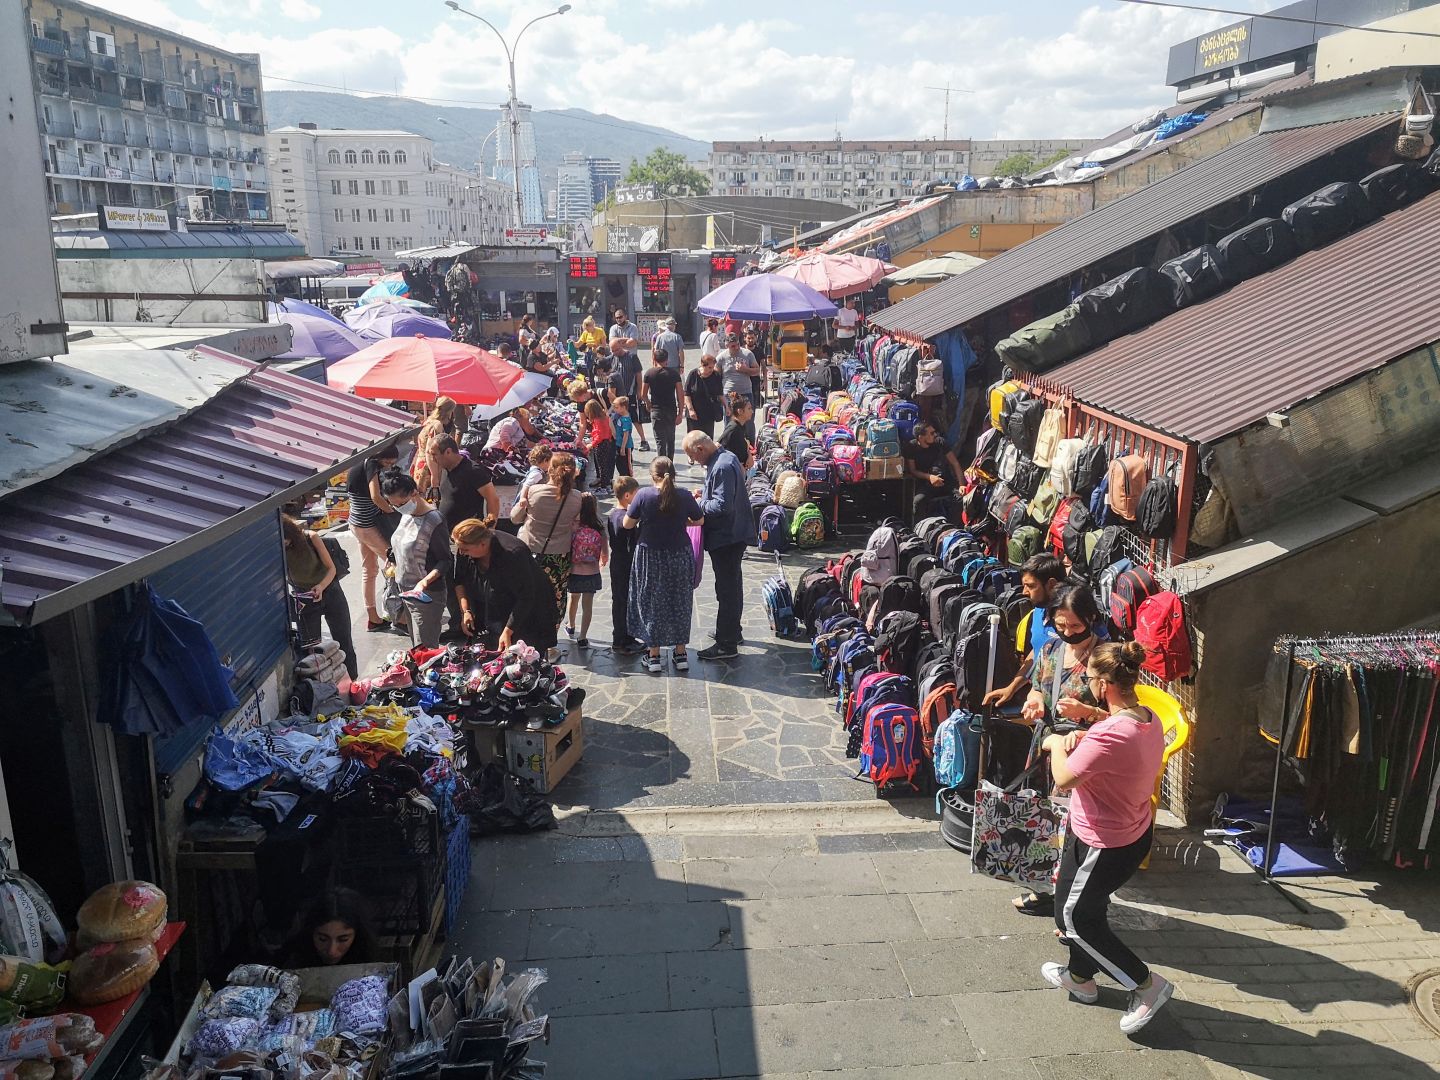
[1283,18]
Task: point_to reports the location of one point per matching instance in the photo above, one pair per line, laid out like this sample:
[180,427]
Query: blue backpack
[891,752]
[882,439]
[957,751]
[779,606]
[773,529]
[820,477]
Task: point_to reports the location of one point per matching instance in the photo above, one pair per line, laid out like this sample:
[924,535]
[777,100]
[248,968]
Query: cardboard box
[545,756]
[884,468]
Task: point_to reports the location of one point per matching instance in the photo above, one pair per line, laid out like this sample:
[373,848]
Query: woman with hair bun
[1110,768]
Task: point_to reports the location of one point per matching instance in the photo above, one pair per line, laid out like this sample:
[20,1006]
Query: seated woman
[335,930]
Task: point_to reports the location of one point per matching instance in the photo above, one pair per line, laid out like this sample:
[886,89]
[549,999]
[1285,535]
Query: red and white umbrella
[423,369]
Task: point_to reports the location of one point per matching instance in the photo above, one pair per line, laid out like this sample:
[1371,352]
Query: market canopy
[291,306]
[390,320]
[939,268]
[296,268]
[765,297]
[836,275]
[384,289]
[423,369]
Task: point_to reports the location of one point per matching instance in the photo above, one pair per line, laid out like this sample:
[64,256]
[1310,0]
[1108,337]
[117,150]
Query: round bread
[122,911]
[110,971]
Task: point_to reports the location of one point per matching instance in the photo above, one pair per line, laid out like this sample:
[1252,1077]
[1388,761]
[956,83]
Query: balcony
[45,46]
[253,129]
[104,97]
[82,92]
[248,95]
[77,50]
[60,128]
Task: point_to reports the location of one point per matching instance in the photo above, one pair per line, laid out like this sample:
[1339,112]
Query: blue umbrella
[375,322]
[767,298]
[299,307]
[325,337]
[384,290]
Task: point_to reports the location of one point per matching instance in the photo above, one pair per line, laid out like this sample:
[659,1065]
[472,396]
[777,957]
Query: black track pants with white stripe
[1082,900]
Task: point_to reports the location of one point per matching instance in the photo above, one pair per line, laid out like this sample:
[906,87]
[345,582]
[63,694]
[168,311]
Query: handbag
[697,545]
[1019,832]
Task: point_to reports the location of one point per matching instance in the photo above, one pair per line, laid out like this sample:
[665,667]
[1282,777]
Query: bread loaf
[110,971]
[122,911]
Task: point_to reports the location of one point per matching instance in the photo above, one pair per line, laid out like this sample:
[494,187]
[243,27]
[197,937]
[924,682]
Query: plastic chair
[1177,734]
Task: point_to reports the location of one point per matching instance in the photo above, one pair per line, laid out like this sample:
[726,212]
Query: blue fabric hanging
[954,349]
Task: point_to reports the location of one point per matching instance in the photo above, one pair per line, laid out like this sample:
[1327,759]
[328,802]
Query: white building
[861,172]
[134,115]
[378,192]
[574,188]
[531,201]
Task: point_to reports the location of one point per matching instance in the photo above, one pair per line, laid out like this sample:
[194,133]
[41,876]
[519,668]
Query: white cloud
[299,10]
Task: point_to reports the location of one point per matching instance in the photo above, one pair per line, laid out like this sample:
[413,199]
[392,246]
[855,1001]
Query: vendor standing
[496,574]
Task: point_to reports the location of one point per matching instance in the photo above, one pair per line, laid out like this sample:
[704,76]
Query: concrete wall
[1353,52]
[1370,572]
[162,291]
[738,219]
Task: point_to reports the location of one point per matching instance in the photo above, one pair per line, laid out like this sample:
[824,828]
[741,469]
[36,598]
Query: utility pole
[947,90]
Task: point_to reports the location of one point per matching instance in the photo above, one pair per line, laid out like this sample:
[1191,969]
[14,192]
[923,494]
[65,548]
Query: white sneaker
[1144,1004]
[1060,978]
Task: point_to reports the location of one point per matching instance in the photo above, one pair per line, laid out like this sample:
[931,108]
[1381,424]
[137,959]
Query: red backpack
[1160,627]
[1056,537]
[1131,589]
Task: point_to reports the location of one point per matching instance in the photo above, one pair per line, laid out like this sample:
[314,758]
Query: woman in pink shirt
[1111,769]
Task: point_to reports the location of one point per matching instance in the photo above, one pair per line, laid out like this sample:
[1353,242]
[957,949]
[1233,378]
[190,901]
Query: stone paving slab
[806,973]
[654,1045]
[820,920]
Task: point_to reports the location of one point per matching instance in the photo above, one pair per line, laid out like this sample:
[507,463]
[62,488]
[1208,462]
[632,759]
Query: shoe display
[719,652]
[1145,1003]
[1059,977]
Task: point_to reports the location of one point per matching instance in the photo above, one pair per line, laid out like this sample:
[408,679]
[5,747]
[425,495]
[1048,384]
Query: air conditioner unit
[198,207]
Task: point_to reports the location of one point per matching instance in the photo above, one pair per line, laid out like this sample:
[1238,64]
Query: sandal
[1042,904]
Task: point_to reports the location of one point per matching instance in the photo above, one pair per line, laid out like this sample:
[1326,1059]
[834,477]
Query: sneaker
[583,642]
[1144,1004]
[653,664]
[645,446]
[419,596]
[570,632]
[1060,978]
[681,660]
[719,652]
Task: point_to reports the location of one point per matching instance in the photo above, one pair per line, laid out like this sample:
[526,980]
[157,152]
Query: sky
[732,69]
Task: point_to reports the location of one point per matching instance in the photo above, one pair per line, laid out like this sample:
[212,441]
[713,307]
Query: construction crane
[947,90]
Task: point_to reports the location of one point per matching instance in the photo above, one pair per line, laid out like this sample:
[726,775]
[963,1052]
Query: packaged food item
[22,1069]
[32,987]
[249,1001]
[122,911]
[287,982]
[29,927]
[110,971]
[47,1037]
[69,1068]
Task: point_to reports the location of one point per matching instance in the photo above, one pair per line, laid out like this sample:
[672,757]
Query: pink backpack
[849,463]
[587,545]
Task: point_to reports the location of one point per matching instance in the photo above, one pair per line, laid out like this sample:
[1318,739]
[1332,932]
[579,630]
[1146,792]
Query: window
[405,216]
[355,214]
[374,243]
[389,215]
[402,187]
[369,187]
[383,157]
[284,142]
[353,187]
[385,186]
[359,243]
[371,214]
[349,157]
[367,158]
[400,158]
[339,214]
[334,187]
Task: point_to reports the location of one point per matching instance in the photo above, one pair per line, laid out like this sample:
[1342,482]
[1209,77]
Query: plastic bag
[51,1036]
[29,927]
[32,987]
[500,803]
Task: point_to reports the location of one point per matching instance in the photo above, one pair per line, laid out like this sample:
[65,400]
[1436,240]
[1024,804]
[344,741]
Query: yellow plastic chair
[1177,734]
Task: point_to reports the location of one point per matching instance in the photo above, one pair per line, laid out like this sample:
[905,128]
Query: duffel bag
[1194,276]
[1047,342]
[1124,304]
[1323,216]
[1260,246]
[1395,186]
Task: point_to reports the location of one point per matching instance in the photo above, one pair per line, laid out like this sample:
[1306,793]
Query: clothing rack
[1401,649]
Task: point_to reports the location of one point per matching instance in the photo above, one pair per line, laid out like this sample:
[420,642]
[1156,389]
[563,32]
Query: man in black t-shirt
[666,397]
[933,467]
[467,490]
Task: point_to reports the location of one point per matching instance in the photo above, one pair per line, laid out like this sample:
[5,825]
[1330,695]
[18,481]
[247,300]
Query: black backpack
[1072,538]
[814,584]
[899,638]
[825,375]
[899,593]
[972,666]
[1155,515]
[921,565]
[338,556]
[1023,424]
[1108,549]
[907,371]
[1026,481]
[910,547]
[1091,465]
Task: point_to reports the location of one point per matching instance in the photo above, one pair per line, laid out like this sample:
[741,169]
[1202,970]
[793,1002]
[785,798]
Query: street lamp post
[510,105]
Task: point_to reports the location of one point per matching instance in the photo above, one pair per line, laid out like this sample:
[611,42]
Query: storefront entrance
[683,303]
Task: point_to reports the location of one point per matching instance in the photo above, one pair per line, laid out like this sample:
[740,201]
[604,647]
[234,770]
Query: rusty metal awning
[126,513]
[1053,256]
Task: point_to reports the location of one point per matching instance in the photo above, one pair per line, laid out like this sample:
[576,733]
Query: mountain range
[458,130]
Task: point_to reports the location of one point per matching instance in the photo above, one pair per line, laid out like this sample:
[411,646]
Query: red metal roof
[128,512]
[1273,341]
[1054,255]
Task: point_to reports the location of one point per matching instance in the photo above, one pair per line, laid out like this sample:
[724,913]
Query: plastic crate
[397,863]
[457,871]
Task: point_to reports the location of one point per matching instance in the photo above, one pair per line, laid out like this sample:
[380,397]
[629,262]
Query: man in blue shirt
[1041,577]
[729,530]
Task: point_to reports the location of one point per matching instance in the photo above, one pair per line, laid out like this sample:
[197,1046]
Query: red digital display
[584,266]
[723,264]
[657,281]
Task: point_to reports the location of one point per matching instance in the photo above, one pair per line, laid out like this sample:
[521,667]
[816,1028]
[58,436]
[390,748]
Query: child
[539,464]
[589,551]
[623,429]
[600,438]
[622,556]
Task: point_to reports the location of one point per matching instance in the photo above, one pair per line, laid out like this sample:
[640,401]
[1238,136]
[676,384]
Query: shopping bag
[1018,832]
[697,545]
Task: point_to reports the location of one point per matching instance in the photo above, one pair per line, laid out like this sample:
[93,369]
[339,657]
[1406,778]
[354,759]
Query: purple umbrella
[766,298]
[376,322]
[299,307]
[326,338]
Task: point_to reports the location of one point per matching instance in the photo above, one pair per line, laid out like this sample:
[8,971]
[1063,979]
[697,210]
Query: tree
[1015,165]
[1058,155]
[669,173]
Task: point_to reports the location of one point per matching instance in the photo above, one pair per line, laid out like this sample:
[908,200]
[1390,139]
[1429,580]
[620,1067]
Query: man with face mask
[1041,578]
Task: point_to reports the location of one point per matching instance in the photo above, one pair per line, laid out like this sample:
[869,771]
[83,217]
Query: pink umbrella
[836,275]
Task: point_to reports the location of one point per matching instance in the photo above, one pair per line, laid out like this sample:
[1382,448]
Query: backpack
[1155,515]
[338,556]
[815,584]
[937,698]
[899,637]
[587,545]
[780,606]
[1160,627]
[1072,536]
[825,375]
[1127,477]
[882,439]
[849,463]
[899,593]
[922,564]
[790,490]
[1052,429]
[1024,542]
[890,753]
[1027,479]
[930,377]
[1062,465]
[820,477]
[1022,425]
[1002,400]
[1131,590]
[1108,549]
[1059,522]
[1091,463]
[957,750]
[808,527]
[773,529]
[1105,587]
[872,689]
[884,543]
[972,664]
[987,455]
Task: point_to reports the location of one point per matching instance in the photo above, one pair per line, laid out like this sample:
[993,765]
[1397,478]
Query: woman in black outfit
[704,397]
[740,412]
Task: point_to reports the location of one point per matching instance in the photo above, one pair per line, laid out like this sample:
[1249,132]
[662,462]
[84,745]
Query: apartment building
[134,115]
[350,191]
[861,173]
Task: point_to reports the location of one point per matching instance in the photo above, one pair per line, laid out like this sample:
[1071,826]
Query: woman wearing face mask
[1058,688]
[421,550]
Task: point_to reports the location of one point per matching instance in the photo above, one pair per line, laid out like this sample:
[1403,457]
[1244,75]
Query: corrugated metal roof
[173,244]
[1210,370]
[125,514]
[1054,255]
